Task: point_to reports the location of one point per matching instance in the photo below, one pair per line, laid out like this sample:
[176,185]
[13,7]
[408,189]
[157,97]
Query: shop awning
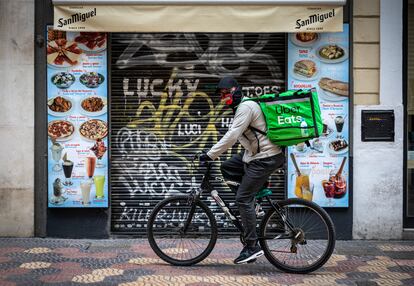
[199,16]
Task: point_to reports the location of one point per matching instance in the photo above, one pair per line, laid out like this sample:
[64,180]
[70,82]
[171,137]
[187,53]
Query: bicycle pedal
[252,261]
[260,214]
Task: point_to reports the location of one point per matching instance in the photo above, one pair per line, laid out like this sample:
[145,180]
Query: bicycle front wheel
[305,248]
[182,232]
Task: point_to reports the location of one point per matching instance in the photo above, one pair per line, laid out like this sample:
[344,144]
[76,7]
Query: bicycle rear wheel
[174,244]
[308,246]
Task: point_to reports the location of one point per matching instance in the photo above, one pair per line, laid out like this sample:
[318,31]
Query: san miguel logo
[78,17]
[314,19]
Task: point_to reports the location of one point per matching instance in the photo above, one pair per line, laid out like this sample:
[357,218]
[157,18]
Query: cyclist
[247,172]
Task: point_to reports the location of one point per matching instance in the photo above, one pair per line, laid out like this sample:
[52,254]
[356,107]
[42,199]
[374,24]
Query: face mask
[226,95]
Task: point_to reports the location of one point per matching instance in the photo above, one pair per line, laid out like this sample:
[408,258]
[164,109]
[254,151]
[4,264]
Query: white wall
[16,117]
[378,167]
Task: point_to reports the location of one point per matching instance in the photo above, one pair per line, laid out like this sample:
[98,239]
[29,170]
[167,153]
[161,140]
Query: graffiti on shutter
[164,110]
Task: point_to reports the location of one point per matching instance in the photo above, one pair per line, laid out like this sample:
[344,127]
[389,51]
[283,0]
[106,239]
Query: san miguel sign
[315,18]
[74,18]
[210,18]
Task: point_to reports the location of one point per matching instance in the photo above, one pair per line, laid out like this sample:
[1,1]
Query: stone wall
[17,118]
[378,166]
[366,51]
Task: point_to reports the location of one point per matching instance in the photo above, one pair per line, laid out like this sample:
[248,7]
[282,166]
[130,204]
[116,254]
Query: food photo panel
[77,107]
[319,172]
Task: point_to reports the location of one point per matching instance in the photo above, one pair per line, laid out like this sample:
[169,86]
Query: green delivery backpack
[292,117]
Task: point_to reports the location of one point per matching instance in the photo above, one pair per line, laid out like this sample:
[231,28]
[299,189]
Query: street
[36,261]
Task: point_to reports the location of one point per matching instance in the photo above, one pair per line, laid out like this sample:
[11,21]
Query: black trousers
[252,177]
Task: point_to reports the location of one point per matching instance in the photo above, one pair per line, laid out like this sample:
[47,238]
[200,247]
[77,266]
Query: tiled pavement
[132,262]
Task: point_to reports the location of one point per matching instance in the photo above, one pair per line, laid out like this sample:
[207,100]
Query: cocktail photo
[303,186]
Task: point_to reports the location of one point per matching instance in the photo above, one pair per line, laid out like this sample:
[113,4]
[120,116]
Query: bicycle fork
[189,218]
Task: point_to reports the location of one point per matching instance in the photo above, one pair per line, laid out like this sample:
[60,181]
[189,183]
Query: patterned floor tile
[52,262]
[38,250]
[394,247]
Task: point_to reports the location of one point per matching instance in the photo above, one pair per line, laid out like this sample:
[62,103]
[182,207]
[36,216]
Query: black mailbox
[377,125]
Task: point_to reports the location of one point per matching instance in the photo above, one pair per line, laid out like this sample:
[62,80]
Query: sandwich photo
[334,86]
[306,68]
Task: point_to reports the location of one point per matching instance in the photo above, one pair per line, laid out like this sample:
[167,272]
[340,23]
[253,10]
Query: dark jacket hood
[229,82]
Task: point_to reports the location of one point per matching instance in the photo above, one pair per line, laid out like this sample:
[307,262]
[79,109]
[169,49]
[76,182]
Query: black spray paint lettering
[166,46]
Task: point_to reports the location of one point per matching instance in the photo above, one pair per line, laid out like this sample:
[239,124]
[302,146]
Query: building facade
[377,169]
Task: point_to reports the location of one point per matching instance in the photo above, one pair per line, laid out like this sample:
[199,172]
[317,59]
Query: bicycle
[184,223]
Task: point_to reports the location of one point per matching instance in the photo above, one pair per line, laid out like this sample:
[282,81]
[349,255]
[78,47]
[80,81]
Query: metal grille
[163,111]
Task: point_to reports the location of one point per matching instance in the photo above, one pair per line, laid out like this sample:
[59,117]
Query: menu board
[77,119]
[320,172]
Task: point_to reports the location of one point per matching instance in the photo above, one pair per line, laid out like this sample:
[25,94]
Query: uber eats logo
[288,115]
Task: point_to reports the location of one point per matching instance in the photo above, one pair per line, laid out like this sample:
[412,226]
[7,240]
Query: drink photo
[329,190]
[335,187]
[99,150]
[67,170]
[339,124]
[57,188]
[340,186]
[56,150]
[307,192]
[303,186]
[86,191]
[99,186]
[90,164]
[57,197]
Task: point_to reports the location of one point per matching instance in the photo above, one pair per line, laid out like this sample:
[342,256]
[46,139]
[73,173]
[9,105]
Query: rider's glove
[204,158]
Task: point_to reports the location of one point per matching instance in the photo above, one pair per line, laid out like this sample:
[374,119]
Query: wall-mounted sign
[377,125]
[320,172]
[210,18]
[77,119]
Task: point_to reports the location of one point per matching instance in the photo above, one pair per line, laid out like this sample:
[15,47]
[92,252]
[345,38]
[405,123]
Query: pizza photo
[94,129]
[60,129]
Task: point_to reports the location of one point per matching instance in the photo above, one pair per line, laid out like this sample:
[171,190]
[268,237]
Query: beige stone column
[16,118]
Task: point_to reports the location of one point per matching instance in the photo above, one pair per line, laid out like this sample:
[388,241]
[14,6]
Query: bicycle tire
[164,256]
[330,236]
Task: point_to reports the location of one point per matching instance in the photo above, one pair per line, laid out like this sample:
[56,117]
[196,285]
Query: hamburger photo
[306,68]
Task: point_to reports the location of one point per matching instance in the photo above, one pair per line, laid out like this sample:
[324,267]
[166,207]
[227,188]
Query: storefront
[138,101]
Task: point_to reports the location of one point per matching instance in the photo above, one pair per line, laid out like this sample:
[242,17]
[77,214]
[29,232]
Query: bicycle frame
[206,187]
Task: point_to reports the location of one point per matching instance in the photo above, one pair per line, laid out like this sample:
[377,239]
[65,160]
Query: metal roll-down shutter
[163,111]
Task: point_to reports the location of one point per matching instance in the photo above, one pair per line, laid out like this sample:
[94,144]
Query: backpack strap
[257,139]
[257,130]
[254,129]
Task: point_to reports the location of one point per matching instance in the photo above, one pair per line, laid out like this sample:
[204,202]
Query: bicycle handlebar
[207,164]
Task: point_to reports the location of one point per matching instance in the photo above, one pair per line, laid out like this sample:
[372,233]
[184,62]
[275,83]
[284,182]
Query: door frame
[408,222]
